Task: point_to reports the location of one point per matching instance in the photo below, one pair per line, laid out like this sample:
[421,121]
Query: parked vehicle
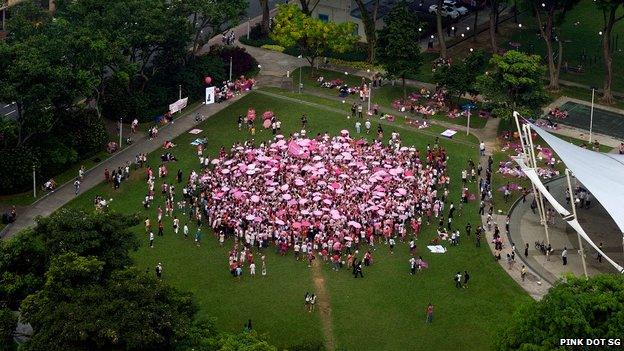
[456,6]
[446,11]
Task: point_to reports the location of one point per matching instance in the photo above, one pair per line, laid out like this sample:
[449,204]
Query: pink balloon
[207,80]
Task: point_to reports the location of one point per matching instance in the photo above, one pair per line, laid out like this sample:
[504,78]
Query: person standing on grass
[468,229]
[458,280]
[176,224]
[159,270]
[198,236]
[367,125]
[358,126]
[185,230]
[151,239]
[466,278]
[360,109]
[160,228]
[391,242]
[412,262]
[264,268]
[353,110]
[429,313]
[252,269]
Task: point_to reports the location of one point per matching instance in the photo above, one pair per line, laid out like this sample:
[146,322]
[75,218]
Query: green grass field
[383,96]
[383,311]
[580,34]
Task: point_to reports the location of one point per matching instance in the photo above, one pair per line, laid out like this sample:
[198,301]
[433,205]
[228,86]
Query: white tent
[601,173]
[573,222]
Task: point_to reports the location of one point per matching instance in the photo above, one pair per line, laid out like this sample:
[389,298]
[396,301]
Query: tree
[106,236]
[369,19]
[579,308]
[8,322]
[610,18]
[313,36]
[494,7]
[514,84]
[37,72]
[441,40]
[308,6]
[209,17]
[265,25]
[80,309]
[395,48]
[459,78]
[550,15]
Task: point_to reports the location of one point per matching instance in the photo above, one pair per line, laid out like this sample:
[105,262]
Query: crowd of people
[336,198]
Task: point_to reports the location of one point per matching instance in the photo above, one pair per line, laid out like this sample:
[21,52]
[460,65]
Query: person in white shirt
[367,124]
[358,125]
[252,269]
[482,148]
[151,240]
[185,230]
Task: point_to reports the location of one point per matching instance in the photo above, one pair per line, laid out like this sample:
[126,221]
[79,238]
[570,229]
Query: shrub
[54,156]
[19,160]
[273,47]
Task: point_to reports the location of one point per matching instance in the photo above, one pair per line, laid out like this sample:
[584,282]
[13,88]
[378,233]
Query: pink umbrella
[401,191]
[215,161]
[317,213]
[225,171]
[296,225]
[327,201]
[250,217]
[279,222]
[305,224]
[255,198]
[339,191]
[292,202]
[286,197]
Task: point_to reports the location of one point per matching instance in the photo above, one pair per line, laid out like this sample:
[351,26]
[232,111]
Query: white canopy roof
[573,222]
[601,173]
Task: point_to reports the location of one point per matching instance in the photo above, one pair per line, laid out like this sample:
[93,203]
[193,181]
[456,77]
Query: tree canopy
[459,78]
[578,308]
[397,48]
[79,308]
[314,37]
[515,83]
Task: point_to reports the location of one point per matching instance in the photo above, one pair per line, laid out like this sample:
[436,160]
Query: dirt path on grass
[323,306]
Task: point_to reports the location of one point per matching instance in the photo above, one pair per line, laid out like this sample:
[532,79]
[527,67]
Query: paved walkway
[533,284]
[94,176]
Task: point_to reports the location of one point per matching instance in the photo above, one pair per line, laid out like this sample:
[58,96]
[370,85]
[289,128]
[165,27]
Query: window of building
[323,17]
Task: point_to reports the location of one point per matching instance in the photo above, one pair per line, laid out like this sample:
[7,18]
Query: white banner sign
[178,105]
[210,95]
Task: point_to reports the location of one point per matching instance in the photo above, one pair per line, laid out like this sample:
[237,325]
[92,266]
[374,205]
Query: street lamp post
[300,81]
[248,27]
[34,181]
[591,115]
[120,131]
[230,69]
[468,123]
